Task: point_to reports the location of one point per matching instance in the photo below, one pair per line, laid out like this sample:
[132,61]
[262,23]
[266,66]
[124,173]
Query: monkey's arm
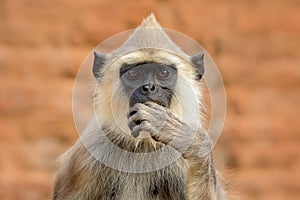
[202,176]
[195,146]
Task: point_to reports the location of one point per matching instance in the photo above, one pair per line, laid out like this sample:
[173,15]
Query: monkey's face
[145,75]
[150,81]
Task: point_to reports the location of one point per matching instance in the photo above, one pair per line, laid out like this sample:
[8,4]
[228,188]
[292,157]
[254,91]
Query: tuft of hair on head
[148,35]
[150,21]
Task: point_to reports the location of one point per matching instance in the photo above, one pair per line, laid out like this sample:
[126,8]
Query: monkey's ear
[99,61]
[198,63]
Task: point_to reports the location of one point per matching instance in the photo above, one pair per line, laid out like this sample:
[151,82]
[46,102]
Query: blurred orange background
[255,43]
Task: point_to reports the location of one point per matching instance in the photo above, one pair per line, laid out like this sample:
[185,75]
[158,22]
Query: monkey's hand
[167,128]
[195,146]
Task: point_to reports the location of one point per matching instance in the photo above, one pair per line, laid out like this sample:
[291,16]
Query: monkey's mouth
[134,100]
[161,96]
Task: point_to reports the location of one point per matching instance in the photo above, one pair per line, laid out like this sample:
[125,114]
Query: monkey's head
[149,66]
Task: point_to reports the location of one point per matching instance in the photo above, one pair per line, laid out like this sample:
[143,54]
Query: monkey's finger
[155,137]
[134,109]
[128,115]
[136,131]
[147,126]
[131,124]
[140,115]
[155,106]
[150,103]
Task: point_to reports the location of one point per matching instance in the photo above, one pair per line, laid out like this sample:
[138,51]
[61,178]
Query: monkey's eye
[132,73]
[163,74]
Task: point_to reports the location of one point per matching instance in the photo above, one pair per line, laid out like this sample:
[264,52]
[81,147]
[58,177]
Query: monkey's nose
[148,88]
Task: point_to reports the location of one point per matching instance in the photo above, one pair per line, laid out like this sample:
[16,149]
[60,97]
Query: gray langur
[148,99]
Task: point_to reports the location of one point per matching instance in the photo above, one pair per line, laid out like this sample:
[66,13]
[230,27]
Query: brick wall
[254,43]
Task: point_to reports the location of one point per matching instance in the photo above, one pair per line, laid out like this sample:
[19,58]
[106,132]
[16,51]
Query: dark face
[149,82]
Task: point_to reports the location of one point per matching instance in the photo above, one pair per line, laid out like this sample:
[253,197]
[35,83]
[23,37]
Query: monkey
[148,123]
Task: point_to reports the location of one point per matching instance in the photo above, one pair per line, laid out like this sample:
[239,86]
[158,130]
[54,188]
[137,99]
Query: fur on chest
[167,183]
